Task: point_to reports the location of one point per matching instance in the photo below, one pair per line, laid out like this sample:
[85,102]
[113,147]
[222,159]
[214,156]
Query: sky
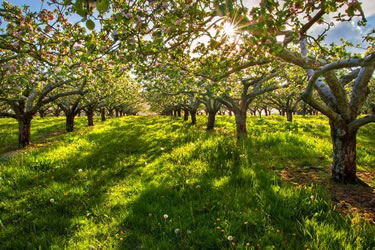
[348,30]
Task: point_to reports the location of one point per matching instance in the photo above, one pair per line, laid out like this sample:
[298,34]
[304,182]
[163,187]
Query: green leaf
[80,8]
[102,6]
[90,24]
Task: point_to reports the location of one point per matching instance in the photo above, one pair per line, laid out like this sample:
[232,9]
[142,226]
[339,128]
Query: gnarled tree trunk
[24,125]
[193,114]
[344,153]
[241,123]
[289,116]
[186,115]
[211,120]
[70,122]
[102,114]
[90,117]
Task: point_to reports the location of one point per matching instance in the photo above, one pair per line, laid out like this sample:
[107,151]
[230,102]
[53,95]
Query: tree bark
[193,114]
[24,126]
[42,114]
[116,113]
[90,117]
[344,154]
[179,113]
[102,114]
[57,112]
[230,113]
[211,120]
[186,115]
[110,112]
[289,116]
[241,124]
[70,122]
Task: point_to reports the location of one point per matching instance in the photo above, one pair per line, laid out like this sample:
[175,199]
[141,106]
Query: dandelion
[188,231]
[149,214]
[52,200]
[278,230]
[233,244]
[80,170]
[218,228]
[245,223]
[248,244]
[217,219]
[121,239]
[165,216]
[222,230]
[354,220]
[230,237]
[177,230]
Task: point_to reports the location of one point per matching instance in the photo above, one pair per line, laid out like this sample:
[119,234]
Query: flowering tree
[340,79]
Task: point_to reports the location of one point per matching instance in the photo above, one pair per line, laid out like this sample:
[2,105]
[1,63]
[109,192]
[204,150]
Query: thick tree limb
[339,93]
[344,80]
[360,90]
[356,124]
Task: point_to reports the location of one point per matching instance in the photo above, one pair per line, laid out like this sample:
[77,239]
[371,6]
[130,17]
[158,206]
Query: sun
[229,29]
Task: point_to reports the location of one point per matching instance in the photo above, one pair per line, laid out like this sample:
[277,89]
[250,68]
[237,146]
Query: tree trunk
[186,115]
[42,114]
[289,116]
[116,112]
[211,120]
[179,113]
[241,124]
[24,125]
[193,114]
[102,114]
[57,113]
[70,122]
[344,154]
[110,112]
[90,117]
[230,113]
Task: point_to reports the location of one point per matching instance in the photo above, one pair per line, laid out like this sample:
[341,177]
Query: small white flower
[165,216]
[230,237]
[80,170]
[177,230]
[52,200]
[1,178]
[161,149]
[188,231]
[198,186]
[145,162]
[312,197]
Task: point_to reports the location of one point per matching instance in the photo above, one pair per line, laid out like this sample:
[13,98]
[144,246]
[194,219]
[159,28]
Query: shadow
[112,185]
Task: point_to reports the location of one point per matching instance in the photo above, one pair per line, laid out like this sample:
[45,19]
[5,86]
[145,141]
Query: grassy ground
[159,183]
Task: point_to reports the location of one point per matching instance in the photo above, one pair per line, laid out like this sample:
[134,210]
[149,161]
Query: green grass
[112,184]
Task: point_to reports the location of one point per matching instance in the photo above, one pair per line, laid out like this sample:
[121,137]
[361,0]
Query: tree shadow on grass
[250,204]
[114,155]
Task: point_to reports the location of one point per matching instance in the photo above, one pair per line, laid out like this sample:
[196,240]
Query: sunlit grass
[111,186]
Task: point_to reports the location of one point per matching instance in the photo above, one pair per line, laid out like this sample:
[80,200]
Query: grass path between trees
[160,183]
